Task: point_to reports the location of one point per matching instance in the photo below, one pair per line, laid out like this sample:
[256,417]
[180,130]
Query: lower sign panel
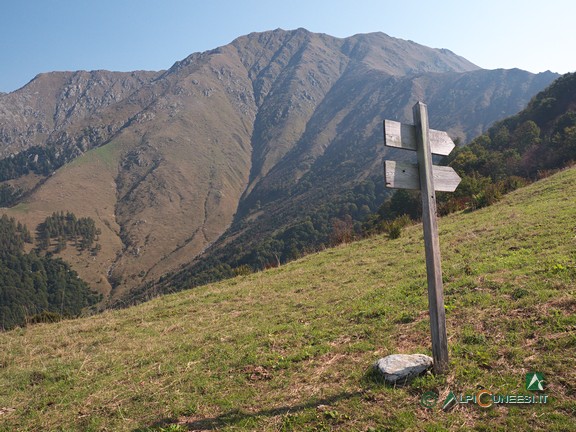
[402,175]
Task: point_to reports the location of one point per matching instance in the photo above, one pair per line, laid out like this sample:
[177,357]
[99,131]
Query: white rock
[401,368]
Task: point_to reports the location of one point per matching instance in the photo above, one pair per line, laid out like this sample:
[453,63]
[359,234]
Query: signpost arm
[431,241]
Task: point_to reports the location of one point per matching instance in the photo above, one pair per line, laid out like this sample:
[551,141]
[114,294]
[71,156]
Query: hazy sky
[123,35]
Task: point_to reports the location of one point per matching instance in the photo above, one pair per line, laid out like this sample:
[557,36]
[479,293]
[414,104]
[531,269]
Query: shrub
[243,270]
[394,228]
[45,317]
[488,196]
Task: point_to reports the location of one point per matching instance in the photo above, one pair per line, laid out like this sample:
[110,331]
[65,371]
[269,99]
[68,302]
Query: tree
[525,136]
[67,227]
[31,285]
[501,138]
[405,202]
[342,230]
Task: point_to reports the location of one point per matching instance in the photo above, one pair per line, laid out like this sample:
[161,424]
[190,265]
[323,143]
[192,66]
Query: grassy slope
[290,348]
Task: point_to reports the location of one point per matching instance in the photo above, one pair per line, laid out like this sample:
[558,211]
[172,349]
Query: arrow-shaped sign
[403,136]
[403,175]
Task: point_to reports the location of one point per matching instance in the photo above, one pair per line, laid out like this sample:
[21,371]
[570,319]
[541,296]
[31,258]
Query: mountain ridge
[167,162]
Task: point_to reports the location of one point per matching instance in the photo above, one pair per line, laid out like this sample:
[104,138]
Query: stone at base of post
[399,369]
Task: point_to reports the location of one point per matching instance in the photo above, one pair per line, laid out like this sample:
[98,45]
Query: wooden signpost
[428,179]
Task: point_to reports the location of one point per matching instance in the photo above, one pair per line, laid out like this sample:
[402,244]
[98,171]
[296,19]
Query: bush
[394,228]
[45,317]
[394,231]
[488,196]
[243,270]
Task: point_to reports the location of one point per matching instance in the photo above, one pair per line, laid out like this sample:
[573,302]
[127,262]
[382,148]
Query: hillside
[229,145]
[290,348]
[540,137]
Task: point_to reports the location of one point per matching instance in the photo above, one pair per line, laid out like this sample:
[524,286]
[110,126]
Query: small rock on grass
[401,368]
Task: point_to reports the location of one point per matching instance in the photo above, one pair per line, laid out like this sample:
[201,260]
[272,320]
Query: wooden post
[427,178]
[431,241]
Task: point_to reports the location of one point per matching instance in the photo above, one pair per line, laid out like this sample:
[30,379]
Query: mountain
[232,148]
[291,348]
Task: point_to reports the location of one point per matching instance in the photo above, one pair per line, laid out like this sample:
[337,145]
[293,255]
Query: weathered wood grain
[431,242]
[403,136]
[404,175]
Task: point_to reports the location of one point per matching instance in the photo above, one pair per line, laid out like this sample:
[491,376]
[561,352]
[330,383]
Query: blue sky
[123,35]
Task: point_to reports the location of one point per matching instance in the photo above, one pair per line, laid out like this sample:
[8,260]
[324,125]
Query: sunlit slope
[290,348]
[87,188]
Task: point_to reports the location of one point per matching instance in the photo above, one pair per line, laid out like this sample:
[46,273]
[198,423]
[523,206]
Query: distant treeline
[9,195]
[35,159]
[67,227]
[33,287]
[40,160]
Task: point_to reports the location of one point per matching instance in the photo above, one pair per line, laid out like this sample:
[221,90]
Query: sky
[123,35]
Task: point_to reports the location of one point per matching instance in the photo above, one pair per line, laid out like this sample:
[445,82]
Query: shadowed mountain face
[230,145]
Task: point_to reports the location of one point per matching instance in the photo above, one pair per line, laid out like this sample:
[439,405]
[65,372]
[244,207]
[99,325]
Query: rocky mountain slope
[231,144]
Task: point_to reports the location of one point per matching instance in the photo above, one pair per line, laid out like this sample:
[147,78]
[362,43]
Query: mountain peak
[233,140]
[376,50]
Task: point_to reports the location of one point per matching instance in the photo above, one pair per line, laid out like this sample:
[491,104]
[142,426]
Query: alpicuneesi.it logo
[485,398]
[534,381]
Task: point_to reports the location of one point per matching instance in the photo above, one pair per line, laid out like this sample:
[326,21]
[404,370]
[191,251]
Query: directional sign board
[427,178]
[401,175]
[403,136]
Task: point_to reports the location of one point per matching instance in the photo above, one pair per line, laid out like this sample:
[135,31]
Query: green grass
[21,208]
[292,348]
[106,154]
